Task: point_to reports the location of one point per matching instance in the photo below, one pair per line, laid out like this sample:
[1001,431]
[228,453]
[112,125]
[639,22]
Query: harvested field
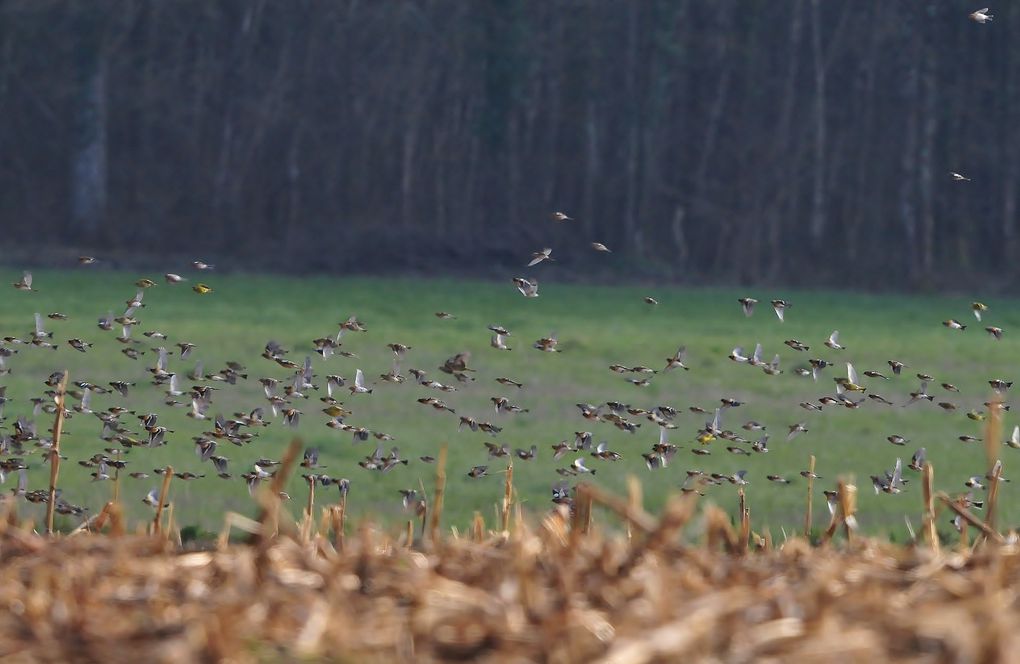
[552,589]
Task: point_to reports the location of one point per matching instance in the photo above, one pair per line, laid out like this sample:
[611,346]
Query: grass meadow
[596,327]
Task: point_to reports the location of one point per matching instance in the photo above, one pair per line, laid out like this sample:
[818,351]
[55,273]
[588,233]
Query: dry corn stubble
[571,588]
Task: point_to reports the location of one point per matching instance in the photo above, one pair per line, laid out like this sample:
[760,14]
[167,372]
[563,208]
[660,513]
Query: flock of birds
[282,396]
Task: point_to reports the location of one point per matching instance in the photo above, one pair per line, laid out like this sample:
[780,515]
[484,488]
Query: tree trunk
[908,174]
[818,202]
[783,145]
[926,167]
[88,158]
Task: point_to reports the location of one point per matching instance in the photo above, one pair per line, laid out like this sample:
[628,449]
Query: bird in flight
[981,16]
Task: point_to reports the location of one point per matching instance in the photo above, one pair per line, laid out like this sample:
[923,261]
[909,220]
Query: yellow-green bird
[850,383]
[201,289]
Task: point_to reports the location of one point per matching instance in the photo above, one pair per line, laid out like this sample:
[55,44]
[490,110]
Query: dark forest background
[796,141]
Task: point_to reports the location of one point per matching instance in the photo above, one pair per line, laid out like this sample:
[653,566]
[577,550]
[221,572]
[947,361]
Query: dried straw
[58,427]
[550,592]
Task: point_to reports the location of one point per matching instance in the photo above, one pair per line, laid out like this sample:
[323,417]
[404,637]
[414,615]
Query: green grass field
[596,326]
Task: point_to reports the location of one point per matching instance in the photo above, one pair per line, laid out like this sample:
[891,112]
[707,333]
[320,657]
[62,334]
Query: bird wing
[359,379]
[851,373]
[39,330]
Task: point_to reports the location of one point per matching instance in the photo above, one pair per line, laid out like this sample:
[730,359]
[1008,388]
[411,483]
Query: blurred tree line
[805,141]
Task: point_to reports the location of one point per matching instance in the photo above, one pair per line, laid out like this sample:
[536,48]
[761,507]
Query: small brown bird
[833,341]
[132,353]
[978,308]
[442,315]
[677,361]
[650,300]
[539,256]
[399,349]
[79,345]
[526,287]
[917,461]
[954,324]
[598,246]
[498,342]
[547,344]
[747,305]
[25,283]
[560,216]
[199,265]
[780,307]
[981,16]
[527,455]
[996,332]
[86,260]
